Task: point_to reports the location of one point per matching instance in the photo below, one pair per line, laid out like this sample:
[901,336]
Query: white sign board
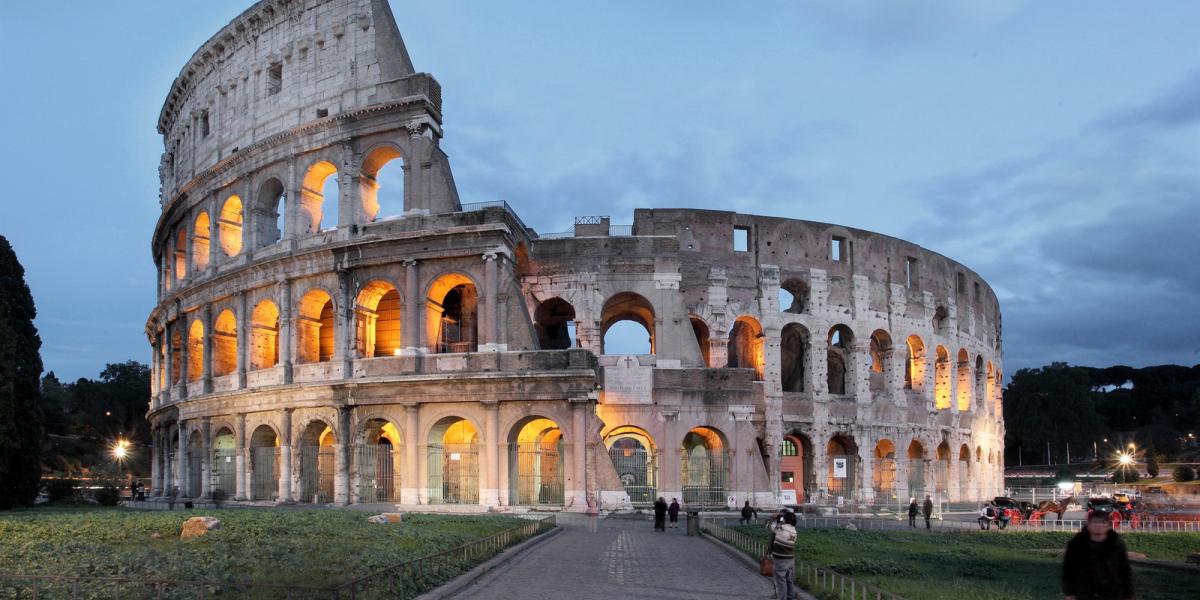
[455,456]
[839,468]
[731,501]
[787,497]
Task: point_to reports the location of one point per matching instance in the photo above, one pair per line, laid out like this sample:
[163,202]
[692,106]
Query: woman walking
[673,513]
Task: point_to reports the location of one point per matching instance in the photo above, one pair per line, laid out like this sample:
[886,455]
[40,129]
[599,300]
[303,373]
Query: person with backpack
[782,551]
[912,512]
[748,514]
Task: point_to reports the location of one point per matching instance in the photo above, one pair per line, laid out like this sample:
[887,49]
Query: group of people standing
[662,511]
[926,508]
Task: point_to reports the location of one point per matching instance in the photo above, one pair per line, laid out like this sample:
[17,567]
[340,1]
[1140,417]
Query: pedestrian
[987,514]
[673,513]
[912,512]
[1096,566]
[783,541]
[660,514]
[748,514]
[927,509]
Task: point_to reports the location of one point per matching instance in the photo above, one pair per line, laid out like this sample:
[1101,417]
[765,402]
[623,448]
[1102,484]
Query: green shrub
[1184,473]
[108,496]
[61,490]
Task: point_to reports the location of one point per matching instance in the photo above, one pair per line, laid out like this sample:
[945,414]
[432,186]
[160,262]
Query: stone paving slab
[607,559]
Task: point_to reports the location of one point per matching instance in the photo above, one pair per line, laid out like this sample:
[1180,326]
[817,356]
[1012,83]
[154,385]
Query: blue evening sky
[1054,147]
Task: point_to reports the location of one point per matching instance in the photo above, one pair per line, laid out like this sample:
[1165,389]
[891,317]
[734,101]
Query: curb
[751,564]
[458,583]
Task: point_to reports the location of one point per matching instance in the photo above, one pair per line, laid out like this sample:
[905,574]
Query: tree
[1152,464]
[20,370]
[1184,473]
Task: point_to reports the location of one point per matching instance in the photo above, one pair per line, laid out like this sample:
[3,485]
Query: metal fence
[537,475]
[377,475]
[195,473]
[637,468]
[224,473]
[453,473]
[401,581]
[705,477]
[264,473]
[316,474]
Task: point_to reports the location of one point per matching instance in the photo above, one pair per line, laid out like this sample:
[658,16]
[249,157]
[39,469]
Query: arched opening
[980,390]
[990,398]
[381,184]
[224,464]
[700,330]
[201,242]
[535,463]
[705,470]
[914,367]
[180,254]
[941,474]
[916,469]
[794,357]
[793,296]
[453,454]
[269,222]
[195,466]
[453,314]
[165,260]
[795,466]
[377,320]
[883,473]
[964,380]
[964,472]
[377,461]
[314,326]
[264,464]
[941,379]
[619,321]
[195,351]
[264,335]
[316,463]
[224,341]
[634,457]
[554,320]
[838,358]
[229,226]
[746,346]
[319,184]
[176,355]
[881,360]
[842,453]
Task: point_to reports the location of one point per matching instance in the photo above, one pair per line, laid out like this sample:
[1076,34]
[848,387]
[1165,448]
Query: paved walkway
[620,559]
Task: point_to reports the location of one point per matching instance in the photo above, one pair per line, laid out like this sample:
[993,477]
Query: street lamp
[120,450]
[1124,459]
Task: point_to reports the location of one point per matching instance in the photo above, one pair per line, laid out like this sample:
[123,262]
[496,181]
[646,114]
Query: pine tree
[20,370]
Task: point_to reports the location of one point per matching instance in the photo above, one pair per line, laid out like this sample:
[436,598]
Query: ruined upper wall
[278,65]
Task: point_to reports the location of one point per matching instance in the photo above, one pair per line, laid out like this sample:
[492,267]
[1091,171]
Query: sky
[1052,147]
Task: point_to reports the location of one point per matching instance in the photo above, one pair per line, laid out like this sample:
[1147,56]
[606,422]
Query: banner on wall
[839,468]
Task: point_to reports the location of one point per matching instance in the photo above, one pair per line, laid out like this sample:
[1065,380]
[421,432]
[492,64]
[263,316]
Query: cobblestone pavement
[620,559]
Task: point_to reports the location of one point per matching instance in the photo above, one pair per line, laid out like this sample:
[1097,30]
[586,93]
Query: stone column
[207,318]
[183,357]
[576,498]
[287,341]
[243,340]
[239,441]
[155,456]
[285,457]
[411,482]
[168,362]
[413,329]
[291,206]
[820,463]
[343,348]
[206,462]
[866,469]
[489,495]
[491,320]
[341,459]
[181,459]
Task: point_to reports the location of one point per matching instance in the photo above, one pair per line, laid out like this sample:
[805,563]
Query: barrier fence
[400,581]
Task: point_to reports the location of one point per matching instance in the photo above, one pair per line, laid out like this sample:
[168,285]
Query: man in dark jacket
[673,512]
[660,515]
[748,513]
[1096,566]
[927,509]
[912,512]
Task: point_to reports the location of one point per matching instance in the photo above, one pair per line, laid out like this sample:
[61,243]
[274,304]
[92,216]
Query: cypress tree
[20,370]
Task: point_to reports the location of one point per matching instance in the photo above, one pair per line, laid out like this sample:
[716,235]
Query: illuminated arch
[316,458]
[842,483]
[746,346]
[704,466]
[453,455]
[264,335]
[914,367]
[535,462]
[627,306]
[264,463]
[269,212]
[452,314]
[881,360]
[180,254]
[229,226]
[377,320]
[224,341]
[201,242]
[635,459]
[964,380]
[315,326]
[313,208]
[941,379]
[883,472]
[369,180]
[377,461]
[195,350]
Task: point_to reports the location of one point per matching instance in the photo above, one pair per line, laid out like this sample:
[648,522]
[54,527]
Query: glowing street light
[1124,459]
[121,449]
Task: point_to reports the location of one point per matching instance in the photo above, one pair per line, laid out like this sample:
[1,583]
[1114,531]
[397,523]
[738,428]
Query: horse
[1057,507]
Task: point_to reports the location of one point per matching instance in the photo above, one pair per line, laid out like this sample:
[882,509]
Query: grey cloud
[1177,107]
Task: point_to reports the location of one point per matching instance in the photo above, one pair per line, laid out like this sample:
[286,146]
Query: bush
[1184,473]
[108,496]
[1126,475]
[1152,465]
[61,490]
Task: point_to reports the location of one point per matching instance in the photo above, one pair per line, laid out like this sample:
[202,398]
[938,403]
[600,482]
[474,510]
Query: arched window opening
[269,213]
[201,243]
[224,464]
[883,472]
[195,351]
[264,464]
[264,335]
[964,380]
[843,465]
[980,379]
[916,470]
[795,466]
[180,254]
[377,320]
[165,261]
[382,184]
[838,358]
[991,398]
[705,471]
[746,346]
[881,360]
[633,456]
[942,473]
[453,458]
[314,326]
[941,379]
[941,320]
[700,330]
[318,208]
[535,463]
[453,313]
[230,226]
[914,368]
[176,355]
[377,462]
[618,320]
[964,472]
[795,292]
[794,352]
[316,463]
[224,340]
[554,320]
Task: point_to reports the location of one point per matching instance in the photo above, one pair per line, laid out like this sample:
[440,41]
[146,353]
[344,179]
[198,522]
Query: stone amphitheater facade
[386,343]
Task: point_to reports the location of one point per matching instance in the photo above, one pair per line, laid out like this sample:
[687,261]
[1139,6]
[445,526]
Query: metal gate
[536,474]
[705,475]
[264,473]
[941,477]
[844,485]
[195,472]
[378,478]
[224,475]
[884,478]
[316,474]
[453,474]
[637,468]
[916,477]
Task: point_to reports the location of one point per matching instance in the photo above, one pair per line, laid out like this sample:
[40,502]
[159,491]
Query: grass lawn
[304,547]
[982,565]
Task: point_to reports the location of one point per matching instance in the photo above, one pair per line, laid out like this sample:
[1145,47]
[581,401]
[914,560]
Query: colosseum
[334,326]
